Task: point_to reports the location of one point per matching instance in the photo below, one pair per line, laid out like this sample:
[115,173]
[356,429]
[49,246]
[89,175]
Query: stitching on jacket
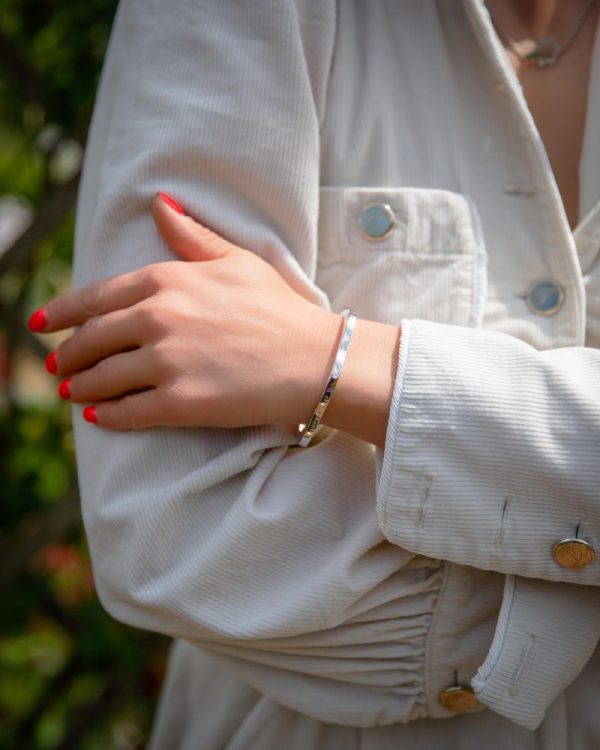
[332,60]
[486,672]
[422,512]
[393,428]
[500,534]
[431,638]
[527,192]
[520,668]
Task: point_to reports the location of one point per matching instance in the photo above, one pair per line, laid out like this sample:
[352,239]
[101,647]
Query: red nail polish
[171,202]
[89,414]
[37,322]
[64,389]
[51,365]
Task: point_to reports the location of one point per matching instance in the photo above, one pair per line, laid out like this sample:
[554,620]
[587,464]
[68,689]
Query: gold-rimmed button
[459,700]
[573,554]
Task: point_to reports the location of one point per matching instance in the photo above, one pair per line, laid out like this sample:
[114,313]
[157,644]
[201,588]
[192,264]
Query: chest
[557,99]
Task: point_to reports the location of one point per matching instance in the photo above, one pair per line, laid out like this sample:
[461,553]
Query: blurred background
[70,677]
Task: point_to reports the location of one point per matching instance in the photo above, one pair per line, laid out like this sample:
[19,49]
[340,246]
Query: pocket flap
[397,253]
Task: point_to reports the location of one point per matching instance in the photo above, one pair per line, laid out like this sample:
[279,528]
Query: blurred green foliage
[70,677]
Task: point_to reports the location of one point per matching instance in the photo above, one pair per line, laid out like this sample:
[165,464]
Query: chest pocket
[401,253]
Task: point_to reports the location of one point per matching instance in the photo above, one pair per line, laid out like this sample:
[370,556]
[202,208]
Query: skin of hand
[216,339]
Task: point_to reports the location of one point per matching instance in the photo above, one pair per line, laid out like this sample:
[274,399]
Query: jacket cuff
[545,634]
[479,462]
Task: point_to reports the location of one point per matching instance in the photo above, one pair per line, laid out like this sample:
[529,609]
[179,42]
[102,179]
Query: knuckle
[151,317]
[79,343]
[152,278]
[163,362]
[217,246]
[89,328]
[91,298]
[171,392]
[138,319]
[169,404]
[212,241]
[158,276]
[97,376]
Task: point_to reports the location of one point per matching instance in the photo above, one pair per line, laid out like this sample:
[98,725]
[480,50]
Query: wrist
[361,401]
[310,429]
[318,348]
[363,395]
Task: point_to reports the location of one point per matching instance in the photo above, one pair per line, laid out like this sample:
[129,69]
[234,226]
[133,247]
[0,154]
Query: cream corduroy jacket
[348,583]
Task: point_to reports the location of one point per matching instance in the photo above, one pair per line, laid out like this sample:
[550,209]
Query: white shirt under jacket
[323,597]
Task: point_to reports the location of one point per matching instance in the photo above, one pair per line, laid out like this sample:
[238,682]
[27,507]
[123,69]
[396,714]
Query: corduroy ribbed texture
[495,457]
[546,634]
[316,579]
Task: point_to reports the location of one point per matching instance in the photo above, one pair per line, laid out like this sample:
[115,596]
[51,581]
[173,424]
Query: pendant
[546,52]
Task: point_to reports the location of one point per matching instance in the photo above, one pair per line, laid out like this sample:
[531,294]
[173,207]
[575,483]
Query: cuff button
[573,554]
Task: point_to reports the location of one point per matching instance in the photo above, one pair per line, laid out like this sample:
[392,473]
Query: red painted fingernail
[89,414]
[38,320]
[64,390]
[51,365]
[171,202]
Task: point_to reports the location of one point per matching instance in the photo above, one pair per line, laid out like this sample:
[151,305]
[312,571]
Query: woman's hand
[220,340]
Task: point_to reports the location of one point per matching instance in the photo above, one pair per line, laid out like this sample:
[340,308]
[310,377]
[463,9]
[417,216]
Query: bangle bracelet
[310,428]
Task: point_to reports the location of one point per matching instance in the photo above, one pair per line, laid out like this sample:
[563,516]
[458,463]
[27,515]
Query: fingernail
[89,414]
[64,390]
[37,322]
[171,202]
[51,365]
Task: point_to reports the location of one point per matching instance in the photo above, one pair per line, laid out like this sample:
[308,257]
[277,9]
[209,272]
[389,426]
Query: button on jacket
[381,156]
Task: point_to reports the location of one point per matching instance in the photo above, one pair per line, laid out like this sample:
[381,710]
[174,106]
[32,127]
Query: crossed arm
[188,528]
[220,340]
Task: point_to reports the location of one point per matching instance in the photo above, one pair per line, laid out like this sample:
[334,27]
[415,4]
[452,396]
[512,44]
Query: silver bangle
[309,429]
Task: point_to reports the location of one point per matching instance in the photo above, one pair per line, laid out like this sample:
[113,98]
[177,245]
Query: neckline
[589,160]
[589,178]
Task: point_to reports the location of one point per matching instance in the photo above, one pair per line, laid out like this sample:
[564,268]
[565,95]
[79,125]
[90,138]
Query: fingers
[98,338]
[186,237]
[100,297]
[110,378]
[137,411]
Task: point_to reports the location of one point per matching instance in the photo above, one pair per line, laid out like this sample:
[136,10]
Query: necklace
[546,49]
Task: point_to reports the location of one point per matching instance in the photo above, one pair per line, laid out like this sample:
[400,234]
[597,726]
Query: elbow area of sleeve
[491,452]
[546,633]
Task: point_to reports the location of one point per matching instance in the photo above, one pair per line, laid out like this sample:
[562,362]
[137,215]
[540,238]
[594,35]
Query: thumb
[186,237]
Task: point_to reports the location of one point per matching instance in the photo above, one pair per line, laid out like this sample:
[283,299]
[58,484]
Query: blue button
[376,221]
[545,297]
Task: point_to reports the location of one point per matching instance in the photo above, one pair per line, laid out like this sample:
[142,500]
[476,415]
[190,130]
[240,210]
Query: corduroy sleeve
[491,458]
[231,538]
[491,453]
[214,103]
